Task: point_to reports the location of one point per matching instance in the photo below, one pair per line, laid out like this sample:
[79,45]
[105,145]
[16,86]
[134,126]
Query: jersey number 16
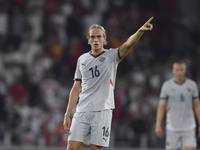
[95,72]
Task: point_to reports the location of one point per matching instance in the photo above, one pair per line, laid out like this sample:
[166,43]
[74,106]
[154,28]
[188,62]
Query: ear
[173,70]
[104,42]
[88,37]
[185,70]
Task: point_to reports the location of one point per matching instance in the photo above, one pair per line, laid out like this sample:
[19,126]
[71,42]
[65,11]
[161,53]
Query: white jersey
[180,114]
[97,74]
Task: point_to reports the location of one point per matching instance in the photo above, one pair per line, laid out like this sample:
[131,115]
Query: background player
[95,78]
[179,95]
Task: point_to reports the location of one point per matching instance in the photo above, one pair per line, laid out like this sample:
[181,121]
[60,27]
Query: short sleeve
[77,75]
[115,54]
[164,91]
[195,91]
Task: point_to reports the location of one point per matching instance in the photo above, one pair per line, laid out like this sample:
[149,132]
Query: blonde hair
[96,26]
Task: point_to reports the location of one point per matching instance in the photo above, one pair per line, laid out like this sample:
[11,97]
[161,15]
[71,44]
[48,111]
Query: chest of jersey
[180,94]
[95,67]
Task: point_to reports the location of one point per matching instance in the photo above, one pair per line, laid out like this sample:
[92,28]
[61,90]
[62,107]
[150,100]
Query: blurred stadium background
[40,41]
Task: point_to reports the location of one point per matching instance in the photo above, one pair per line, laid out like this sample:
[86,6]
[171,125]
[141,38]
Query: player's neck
[97,51]
[179,80]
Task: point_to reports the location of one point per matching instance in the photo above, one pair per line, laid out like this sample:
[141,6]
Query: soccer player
[94,83]
[180,97]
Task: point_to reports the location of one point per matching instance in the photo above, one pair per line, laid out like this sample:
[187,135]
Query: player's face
[96,39]
[179,71]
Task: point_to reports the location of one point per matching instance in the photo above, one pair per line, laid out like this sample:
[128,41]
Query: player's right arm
[73,97]
[159,118]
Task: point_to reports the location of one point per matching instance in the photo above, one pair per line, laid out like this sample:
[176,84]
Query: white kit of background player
[179,96]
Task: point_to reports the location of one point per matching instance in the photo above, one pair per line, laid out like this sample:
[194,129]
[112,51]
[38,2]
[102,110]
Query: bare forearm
[197,111]
[160,114]
[197,108]
[74,94]
[132,40]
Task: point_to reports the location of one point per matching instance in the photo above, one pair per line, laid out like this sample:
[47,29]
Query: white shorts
[175,139]
[91,127]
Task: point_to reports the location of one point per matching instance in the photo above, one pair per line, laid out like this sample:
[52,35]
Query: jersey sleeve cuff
[195,97]
[77,79]
[165,98]
[119,55]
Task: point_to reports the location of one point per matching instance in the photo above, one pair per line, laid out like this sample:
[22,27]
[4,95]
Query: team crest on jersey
[188,89]
[102,59]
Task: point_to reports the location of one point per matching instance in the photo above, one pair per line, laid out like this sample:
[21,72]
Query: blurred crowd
[41,40]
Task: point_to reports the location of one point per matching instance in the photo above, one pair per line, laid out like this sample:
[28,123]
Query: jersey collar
[96,55]
[181,82]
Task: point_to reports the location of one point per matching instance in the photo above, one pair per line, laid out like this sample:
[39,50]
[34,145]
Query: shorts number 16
[105,131]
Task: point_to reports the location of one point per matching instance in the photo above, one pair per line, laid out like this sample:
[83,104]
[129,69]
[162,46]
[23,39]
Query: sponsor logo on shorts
[105,139]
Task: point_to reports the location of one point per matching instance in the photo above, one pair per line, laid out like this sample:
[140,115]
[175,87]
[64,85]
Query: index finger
[149,20]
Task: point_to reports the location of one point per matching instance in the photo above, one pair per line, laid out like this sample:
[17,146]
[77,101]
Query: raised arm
[159,118]
[73,97]
[132,40]
[197,112]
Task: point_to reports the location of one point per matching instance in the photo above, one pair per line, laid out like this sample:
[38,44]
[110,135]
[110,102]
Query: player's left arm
[132,40]
[197,112]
